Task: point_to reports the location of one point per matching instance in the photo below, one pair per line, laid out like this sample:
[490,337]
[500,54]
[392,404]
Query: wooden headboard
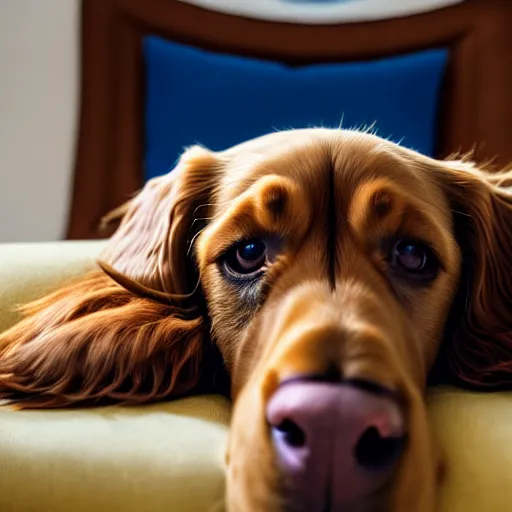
[476,102]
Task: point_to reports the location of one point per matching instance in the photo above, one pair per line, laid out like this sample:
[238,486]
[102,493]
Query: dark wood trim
[476,107]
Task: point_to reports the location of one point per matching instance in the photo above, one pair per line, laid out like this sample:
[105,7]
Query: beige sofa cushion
[165,457]
[169,457]
[28,271]
[475,432]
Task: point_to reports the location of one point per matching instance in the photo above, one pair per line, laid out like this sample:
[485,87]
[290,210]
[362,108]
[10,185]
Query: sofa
[170,456]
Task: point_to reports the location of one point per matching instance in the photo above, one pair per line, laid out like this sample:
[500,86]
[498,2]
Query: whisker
[191,245]
[197,219]
[204,205]
[197,285]
[462,213]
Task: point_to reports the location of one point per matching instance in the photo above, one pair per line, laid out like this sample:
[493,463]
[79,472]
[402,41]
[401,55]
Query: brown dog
[328,268]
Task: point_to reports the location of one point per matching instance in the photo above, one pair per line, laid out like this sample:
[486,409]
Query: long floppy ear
[148,251]
[478,347]
[136,334]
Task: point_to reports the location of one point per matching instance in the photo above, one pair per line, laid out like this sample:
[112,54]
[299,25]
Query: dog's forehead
[296,142]
[311,156]
[300,136]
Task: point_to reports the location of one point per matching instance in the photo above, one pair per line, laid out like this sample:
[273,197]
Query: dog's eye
[414,258]
[411,256]
[247,257]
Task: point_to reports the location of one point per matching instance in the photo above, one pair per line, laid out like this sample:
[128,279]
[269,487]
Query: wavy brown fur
[76,345]
[479,352]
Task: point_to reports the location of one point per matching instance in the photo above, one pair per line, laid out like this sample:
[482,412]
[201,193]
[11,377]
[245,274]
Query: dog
[330,274]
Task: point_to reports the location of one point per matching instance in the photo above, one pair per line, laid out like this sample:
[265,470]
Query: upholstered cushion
[28,271]
[475,432]
[165,457]
[195,96]
[169,456]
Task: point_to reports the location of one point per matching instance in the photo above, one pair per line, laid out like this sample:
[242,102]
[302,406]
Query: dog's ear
[148,252]
[478,347]
[136,334]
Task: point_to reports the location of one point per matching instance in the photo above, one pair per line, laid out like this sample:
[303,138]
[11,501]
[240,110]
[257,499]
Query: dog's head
[333,265]
[333,271]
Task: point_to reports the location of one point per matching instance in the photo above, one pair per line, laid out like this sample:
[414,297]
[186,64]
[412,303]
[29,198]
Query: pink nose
[336,443]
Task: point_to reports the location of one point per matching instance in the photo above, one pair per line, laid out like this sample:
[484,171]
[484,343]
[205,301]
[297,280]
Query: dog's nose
[336,443]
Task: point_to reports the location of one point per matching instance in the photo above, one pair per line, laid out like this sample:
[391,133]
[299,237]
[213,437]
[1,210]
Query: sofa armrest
[30,270]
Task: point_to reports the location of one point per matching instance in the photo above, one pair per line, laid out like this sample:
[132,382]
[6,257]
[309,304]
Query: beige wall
[38,115]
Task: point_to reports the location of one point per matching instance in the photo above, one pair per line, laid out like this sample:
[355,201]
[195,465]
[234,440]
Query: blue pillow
[196,96]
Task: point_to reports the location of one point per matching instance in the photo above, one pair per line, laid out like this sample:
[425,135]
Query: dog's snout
[336,444]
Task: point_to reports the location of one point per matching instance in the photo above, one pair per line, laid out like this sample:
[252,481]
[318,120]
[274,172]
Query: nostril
[291,433]
[376,452]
